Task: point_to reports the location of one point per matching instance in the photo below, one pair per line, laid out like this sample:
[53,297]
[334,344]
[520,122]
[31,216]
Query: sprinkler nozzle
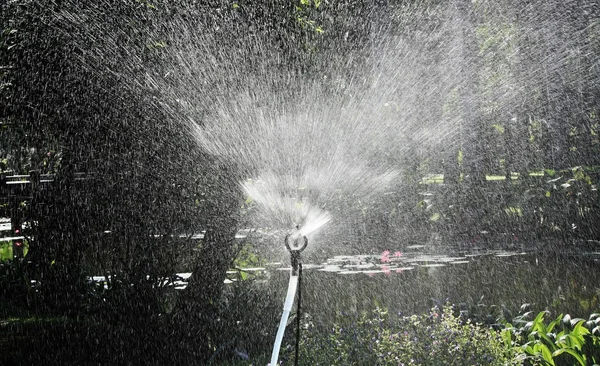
[299,244]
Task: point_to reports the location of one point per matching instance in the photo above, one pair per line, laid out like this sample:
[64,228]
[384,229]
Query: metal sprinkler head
[300,243]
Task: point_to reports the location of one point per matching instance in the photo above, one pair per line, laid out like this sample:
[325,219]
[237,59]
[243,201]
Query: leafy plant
[246,258]
[441,338]
[435,338]
[562,341]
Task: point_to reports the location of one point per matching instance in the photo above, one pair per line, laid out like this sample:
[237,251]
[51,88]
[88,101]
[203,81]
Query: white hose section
[287,308]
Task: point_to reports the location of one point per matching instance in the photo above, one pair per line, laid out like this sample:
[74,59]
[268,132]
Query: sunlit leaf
[571,352]
[546,354]
[499,128]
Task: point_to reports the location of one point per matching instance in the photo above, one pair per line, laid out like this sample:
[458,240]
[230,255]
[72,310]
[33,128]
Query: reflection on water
[413,281]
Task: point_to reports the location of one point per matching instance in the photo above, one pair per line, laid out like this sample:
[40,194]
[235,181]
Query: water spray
[299,243]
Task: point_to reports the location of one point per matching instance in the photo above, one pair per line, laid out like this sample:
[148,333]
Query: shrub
[440,338]
[435,338]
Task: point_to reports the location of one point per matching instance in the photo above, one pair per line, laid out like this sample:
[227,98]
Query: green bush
[435,338]
[440,338]
[350,340]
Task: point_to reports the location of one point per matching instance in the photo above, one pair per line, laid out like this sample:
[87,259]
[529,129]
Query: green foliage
[352,339]
[440,338]
[246,258]
[146,4]
[436,338]
[304,11]
[513,211]
[499,128]
[154,45]
[562,341]
[579,174]
[6,251]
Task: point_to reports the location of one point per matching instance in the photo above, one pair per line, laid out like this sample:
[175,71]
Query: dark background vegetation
[528,105]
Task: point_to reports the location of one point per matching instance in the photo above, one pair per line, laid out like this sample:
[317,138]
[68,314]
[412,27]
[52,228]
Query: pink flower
[386,270]
[385,256]
[398,254]
[371,274]
[399,270]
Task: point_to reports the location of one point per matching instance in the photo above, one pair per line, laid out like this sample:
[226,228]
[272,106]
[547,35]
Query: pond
[484,284]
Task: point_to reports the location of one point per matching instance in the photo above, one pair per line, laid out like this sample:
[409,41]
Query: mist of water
[307,141]
[414,92]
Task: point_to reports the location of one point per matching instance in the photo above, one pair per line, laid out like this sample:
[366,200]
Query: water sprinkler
[295,244]
[299,244]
